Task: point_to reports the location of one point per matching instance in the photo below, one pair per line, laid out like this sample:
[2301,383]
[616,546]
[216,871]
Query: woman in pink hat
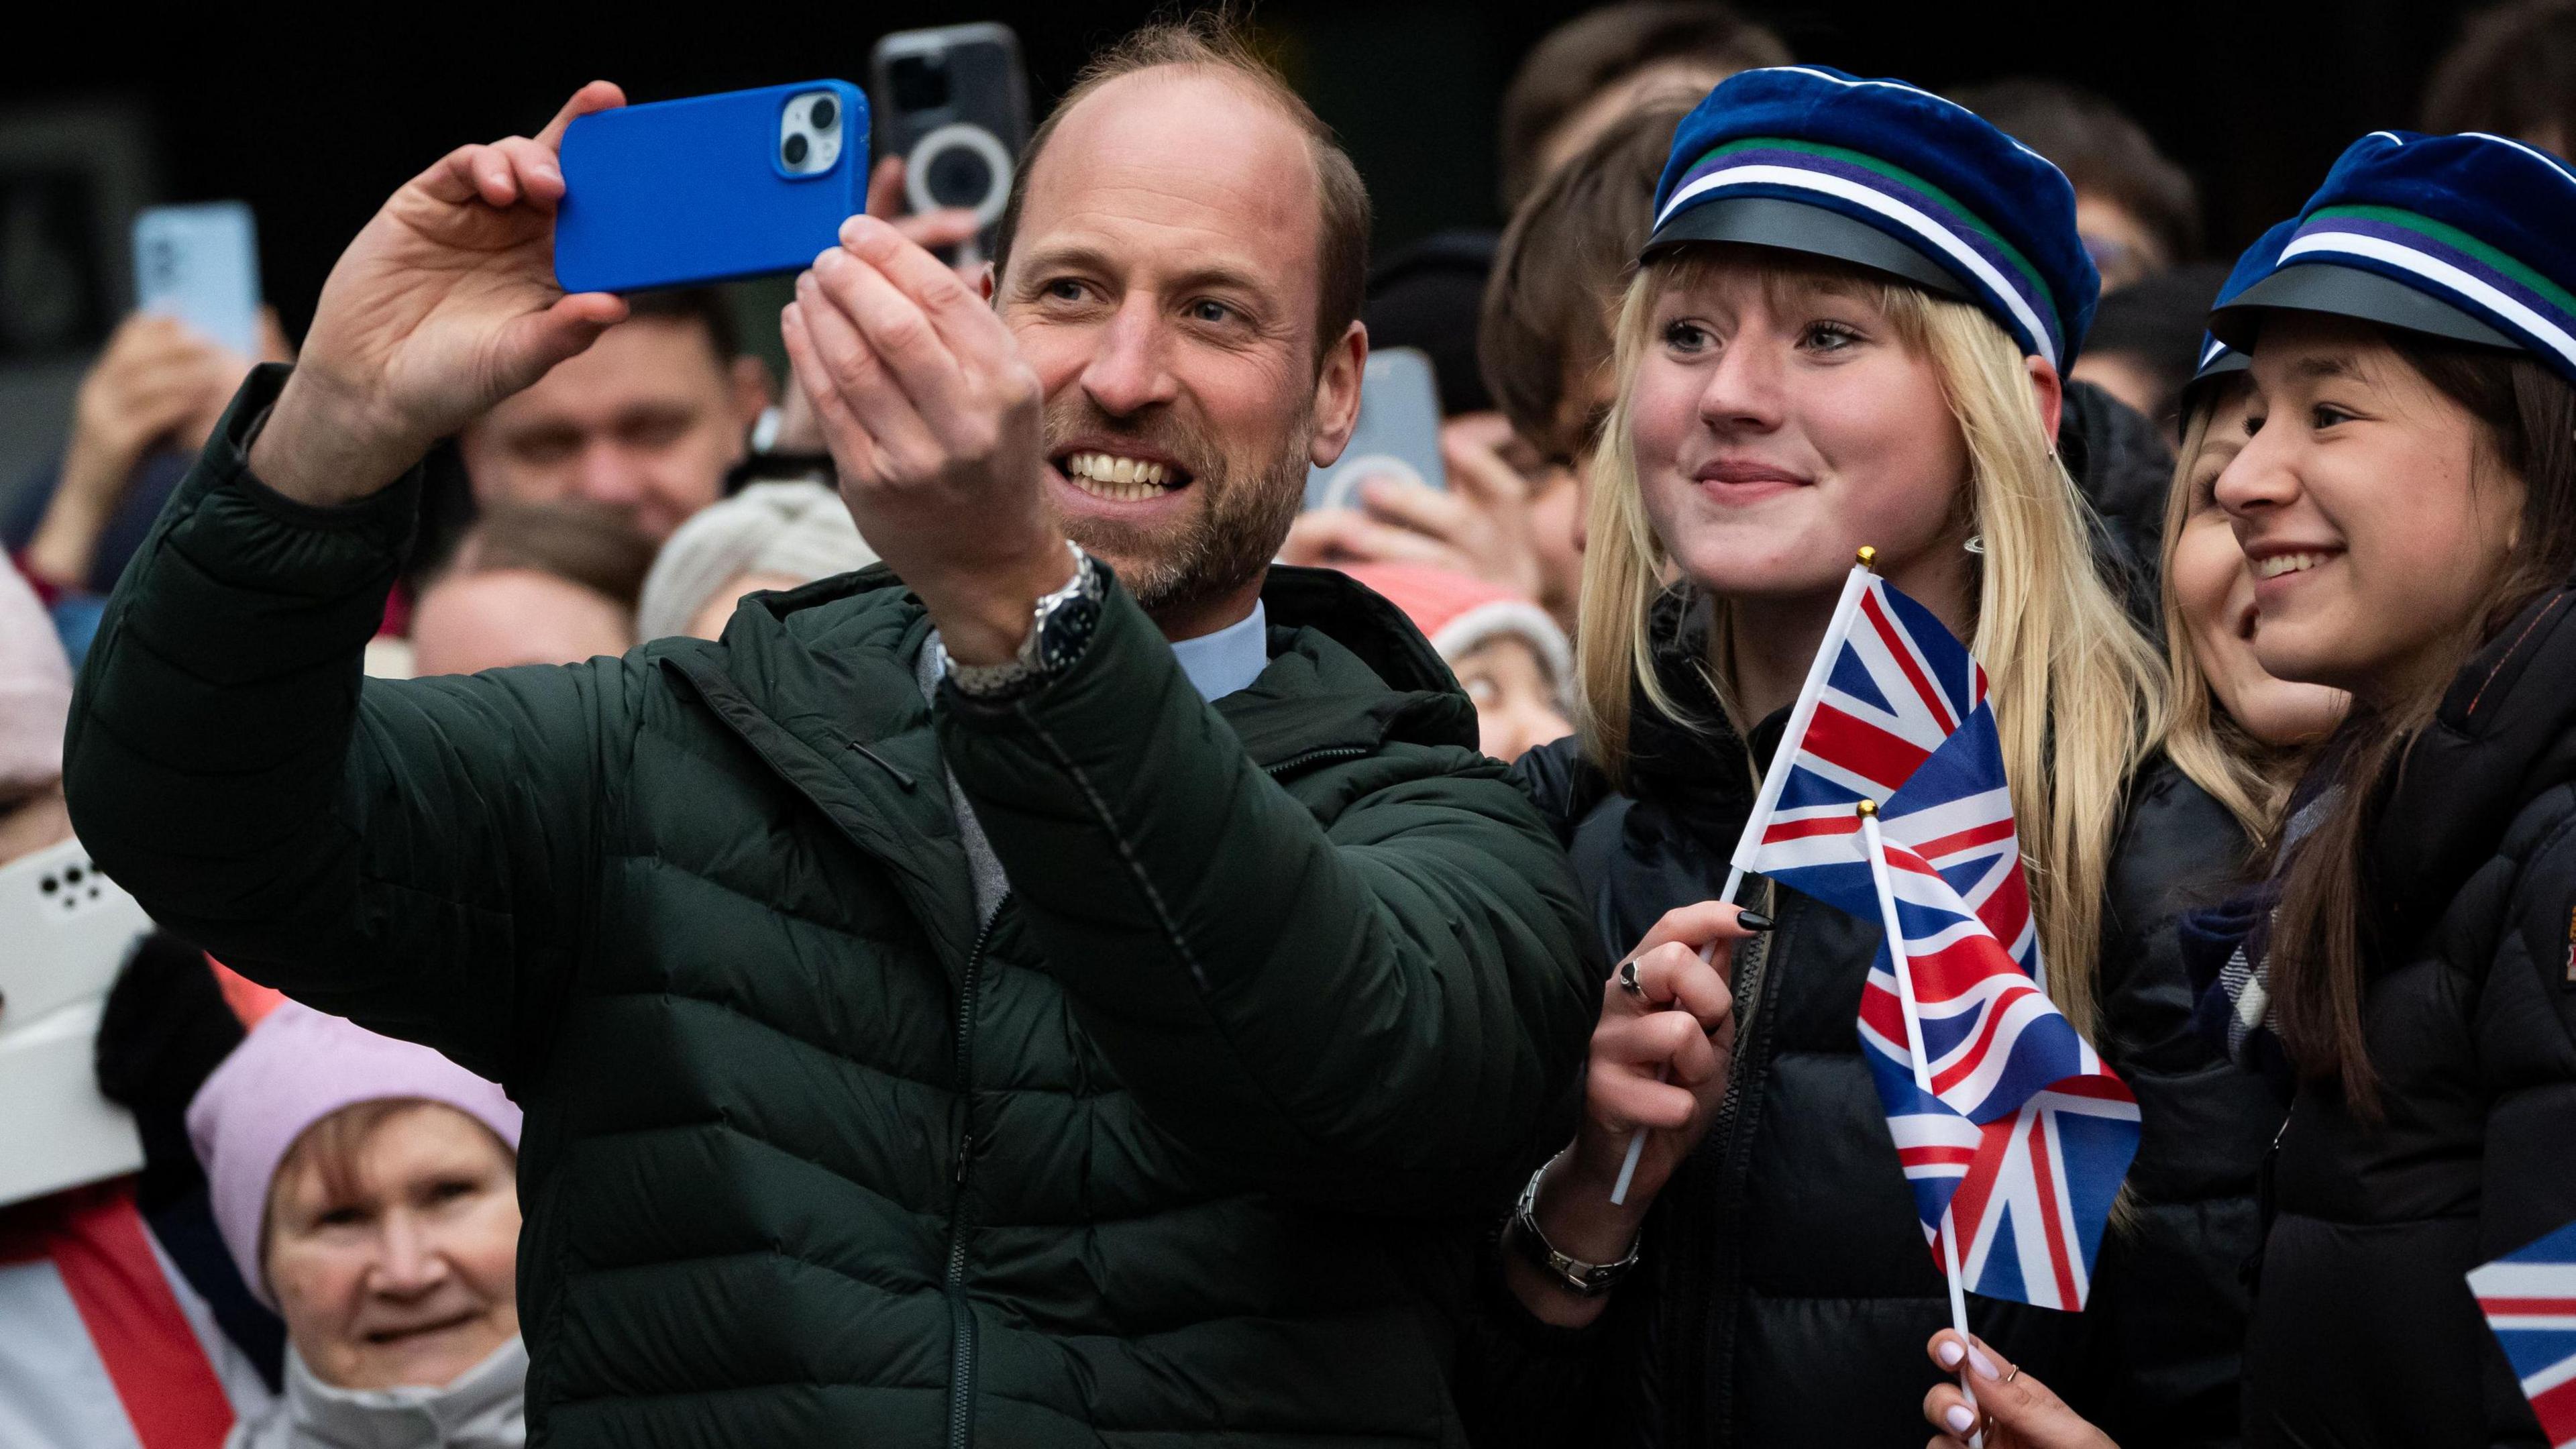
[367,1188]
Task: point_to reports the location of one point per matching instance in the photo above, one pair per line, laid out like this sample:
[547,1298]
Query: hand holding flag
[1658,1065]
[1887,798]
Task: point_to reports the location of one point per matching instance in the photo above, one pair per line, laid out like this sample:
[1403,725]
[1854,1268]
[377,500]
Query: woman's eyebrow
[2318,365]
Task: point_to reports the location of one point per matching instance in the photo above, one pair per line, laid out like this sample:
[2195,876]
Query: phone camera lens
[959,177]
[825,112]
[794,150]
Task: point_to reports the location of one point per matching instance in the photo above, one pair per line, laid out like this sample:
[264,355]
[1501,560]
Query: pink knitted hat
[295,1068]
[1458,613]
[35,688]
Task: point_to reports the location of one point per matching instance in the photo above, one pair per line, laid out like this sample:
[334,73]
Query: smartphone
[953,102]
[1398,433]
[69,931]
[710,188]
[200,264]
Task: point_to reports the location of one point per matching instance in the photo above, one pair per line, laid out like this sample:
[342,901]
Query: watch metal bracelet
[1059,625]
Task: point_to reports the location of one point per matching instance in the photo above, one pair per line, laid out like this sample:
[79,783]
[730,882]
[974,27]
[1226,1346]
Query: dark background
[313,121]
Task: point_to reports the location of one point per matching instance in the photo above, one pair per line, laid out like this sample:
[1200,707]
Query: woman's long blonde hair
[2078,692]
[2252,779]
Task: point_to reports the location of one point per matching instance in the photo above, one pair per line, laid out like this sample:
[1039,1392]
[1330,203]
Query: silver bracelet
[1575,1276]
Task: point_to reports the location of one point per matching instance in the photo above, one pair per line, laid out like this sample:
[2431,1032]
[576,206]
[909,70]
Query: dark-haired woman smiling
[2406,501]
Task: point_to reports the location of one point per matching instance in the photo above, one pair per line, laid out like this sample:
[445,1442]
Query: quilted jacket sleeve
[2526,1025]
[408,854]
[2168,1311]
[1379,1014]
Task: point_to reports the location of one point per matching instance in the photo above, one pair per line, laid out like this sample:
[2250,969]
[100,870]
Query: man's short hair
[2513,73]
[1558,271]
[2101,151]
[590,544]
[706,308]
[1592,52]
[1215,40]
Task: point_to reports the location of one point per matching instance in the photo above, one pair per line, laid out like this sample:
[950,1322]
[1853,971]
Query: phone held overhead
[200,264]
[678,193]
[953,102]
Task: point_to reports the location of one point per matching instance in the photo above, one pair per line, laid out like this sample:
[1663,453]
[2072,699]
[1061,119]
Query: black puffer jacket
[2364,1331]
[1785,1294]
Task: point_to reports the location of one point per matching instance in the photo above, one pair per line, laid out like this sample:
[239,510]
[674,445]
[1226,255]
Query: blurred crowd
[322,1244]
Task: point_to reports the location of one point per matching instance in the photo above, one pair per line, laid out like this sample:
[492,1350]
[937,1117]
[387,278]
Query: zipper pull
[901,777]
[965,1155]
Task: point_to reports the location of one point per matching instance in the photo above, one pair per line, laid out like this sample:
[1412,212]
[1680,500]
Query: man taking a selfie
[1074,983]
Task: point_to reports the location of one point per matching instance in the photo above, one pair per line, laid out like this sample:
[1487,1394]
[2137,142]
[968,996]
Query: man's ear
[2049,391]
[1337,396]
[750,384]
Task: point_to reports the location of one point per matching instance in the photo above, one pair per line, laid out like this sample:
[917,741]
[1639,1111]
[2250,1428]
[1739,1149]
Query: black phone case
[980,87]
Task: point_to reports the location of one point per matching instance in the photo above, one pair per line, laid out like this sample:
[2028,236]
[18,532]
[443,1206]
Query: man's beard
[1240,512]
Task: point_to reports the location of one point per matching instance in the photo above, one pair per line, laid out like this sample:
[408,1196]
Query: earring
[1976,543]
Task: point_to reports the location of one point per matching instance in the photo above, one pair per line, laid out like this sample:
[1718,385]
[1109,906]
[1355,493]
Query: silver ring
[1628,979]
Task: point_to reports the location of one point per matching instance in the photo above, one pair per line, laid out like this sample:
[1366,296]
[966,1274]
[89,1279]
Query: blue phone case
[689,191]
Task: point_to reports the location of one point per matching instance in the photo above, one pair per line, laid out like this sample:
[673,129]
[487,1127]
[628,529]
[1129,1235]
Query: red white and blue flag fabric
[2012,1125]
[2529,1298]
[1890,685]
[2024,1136]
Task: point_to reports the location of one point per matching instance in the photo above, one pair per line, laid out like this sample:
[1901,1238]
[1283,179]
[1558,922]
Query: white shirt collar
[1218,664]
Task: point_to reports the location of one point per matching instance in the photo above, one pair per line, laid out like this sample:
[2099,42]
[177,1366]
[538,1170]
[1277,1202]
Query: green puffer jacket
[1190,1144]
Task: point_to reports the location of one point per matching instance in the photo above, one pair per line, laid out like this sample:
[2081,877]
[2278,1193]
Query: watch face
[1067,629]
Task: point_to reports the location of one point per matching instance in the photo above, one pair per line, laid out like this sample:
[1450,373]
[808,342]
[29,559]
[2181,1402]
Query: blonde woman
[2237,731]
[1849,327]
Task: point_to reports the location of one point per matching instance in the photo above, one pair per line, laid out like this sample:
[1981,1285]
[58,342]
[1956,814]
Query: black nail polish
[1753,920]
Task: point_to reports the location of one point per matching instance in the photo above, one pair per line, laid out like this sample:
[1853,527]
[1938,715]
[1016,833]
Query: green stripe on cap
[2452,236]
[1965,215]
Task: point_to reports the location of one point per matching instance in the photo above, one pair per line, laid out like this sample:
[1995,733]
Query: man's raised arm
[394,854]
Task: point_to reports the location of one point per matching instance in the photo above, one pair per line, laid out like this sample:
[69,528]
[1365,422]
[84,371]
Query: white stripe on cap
[2210,353]
[2443,275]
[2556,166]
[1910,217]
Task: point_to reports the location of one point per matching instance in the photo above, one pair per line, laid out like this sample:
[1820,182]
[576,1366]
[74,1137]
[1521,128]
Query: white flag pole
[1819,672]
[1774,780]
[1922,1076]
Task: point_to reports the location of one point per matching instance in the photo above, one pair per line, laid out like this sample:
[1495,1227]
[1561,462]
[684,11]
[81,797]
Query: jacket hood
[2505,732]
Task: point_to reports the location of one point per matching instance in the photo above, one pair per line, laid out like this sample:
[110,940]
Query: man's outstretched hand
[934,423]
[445,304]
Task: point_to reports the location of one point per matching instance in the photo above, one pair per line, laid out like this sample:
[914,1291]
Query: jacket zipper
[1316,757]
[961,1316]
[1753,975]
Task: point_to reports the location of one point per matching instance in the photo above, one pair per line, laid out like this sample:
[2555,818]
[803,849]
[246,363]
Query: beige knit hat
[35,688]
[800,530]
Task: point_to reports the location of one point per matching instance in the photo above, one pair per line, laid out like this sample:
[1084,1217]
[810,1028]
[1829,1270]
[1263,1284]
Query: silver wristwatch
[1059,628]
[1584,1280]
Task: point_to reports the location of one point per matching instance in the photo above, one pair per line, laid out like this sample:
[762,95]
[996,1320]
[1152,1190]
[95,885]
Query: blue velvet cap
[2469,237]
[1887,176]
[2217,359]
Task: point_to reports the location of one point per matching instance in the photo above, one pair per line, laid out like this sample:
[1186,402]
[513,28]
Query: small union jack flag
[1889,686]
[2529,1298]
[2011,1126]
[2024,1135]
